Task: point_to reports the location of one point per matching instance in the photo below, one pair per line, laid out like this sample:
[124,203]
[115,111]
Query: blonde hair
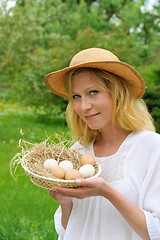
[129,113]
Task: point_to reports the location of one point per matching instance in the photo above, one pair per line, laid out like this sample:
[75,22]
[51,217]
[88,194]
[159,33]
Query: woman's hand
[88,188]
[58,196]
[98,187]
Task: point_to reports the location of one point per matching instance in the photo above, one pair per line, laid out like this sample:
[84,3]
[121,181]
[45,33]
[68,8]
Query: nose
[85,104]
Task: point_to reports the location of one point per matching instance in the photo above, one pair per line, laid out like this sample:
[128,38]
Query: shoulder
[77,145]
[147,147]
[148,139]
[80,148]
[144,154]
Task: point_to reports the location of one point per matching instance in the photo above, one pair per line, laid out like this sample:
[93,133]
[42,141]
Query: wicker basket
[49,182]
[32,161]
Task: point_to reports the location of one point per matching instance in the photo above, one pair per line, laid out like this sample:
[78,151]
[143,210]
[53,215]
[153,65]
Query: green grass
[26,211]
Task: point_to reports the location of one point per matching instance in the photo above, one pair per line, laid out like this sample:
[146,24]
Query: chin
[95,128]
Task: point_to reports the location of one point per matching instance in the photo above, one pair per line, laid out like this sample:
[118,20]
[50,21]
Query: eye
[94,92]
[76,96]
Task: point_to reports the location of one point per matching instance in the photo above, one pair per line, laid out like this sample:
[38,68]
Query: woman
[108,119]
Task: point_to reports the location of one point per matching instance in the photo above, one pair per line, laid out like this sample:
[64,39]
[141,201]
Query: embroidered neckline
[121,147]
[113,166]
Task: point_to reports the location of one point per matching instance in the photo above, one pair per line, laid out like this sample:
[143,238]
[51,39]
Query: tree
[41,36]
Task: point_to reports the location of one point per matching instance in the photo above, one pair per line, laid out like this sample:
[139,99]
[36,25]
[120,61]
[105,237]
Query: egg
[87,159]
[72,174]
[50,163]
[58,172]
[66,165]
[87,170]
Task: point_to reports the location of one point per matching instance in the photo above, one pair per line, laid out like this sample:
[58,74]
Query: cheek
[106,106]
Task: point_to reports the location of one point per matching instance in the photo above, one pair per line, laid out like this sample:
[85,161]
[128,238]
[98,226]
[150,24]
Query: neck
[108,142]
[112,135]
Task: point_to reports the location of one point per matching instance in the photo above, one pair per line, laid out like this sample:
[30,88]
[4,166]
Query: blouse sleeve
[143,170]
[151,207]
[58,224]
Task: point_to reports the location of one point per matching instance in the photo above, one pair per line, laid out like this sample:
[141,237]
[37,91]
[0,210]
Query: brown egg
[87,159]
[58,172]
[72,174]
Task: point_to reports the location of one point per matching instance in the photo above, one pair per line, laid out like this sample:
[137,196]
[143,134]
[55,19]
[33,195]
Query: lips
[91,116]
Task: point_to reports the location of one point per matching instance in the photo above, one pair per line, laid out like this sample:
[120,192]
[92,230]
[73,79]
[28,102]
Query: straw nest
[33,156]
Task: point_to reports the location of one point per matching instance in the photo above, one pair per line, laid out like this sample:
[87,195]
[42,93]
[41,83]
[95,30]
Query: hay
[32,158]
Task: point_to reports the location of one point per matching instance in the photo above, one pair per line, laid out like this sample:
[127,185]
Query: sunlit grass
[26,211]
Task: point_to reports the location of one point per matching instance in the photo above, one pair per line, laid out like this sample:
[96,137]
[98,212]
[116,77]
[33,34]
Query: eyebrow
[87,89]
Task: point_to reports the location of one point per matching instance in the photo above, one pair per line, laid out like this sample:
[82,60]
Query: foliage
[152,95]
[41,36]
[26,210]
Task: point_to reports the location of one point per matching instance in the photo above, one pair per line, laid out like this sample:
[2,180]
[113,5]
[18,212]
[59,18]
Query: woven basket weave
[32,162]
[48,182]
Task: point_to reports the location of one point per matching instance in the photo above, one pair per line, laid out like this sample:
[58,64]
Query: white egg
[87,170]
[50,163]
[66,165]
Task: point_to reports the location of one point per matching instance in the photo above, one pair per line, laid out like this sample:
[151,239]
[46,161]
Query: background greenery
[26,211]
[41,36]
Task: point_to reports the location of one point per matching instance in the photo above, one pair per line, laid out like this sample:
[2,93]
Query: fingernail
[78,181]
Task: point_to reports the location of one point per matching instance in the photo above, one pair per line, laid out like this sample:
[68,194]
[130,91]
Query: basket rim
[57,179]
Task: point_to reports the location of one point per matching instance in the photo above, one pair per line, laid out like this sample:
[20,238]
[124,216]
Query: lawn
[26,211]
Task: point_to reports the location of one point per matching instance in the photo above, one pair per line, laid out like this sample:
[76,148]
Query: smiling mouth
[91,116]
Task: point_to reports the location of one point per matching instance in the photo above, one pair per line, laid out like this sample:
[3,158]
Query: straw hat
[101,59]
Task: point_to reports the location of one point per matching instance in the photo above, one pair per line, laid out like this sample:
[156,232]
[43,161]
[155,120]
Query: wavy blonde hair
[129,113]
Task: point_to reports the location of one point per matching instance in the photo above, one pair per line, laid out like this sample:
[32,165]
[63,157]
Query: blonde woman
[108,119]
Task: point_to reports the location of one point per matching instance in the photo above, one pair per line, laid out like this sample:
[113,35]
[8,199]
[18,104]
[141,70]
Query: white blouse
[134,170]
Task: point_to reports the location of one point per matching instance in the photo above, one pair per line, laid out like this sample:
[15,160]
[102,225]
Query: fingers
[60,197]
[88,188]
[84,182]
[63,191]
[67,192]
[93,182]
[79,193]
[53,194]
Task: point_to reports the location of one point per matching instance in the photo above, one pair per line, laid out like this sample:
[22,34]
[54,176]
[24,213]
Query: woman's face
[92,103]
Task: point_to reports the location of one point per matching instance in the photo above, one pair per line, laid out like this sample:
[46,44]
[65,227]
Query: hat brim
[55,80]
